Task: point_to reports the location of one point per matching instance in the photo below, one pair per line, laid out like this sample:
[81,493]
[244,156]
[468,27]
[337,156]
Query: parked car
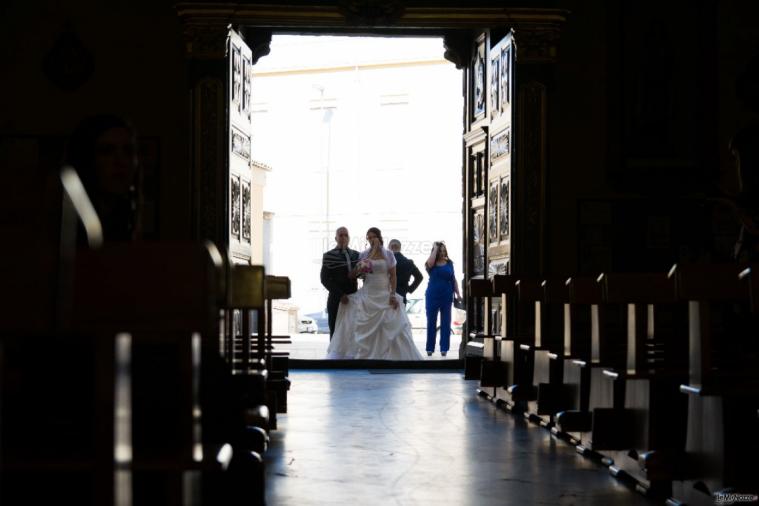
[417,315]
[307,324]
[322,321]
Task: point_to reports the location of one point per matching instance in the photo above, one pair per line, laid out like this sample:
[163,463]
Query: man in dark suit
[404,270]
[337,265]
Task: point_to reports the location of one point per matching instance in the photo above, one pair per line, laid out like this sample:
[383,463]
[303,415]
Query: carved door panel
[488,157]
[500,133]
[239,129]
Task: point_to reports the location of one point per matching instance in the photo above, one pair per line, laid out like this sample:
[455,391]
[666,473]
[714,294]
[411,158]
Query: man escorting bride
[372,324]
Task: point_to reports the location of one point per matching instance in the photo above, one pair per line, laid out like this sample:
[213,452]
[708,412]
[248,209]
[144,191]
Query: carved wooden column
[205,46]
[206,43]
[537,51]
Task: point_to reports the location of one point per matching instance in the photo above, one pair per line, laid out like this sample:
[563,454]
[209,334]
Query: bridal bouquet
[363,268]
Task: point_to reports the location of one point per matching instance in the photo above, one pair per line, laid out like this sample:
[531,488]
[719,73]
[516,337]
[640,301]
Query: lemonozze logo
[734,498]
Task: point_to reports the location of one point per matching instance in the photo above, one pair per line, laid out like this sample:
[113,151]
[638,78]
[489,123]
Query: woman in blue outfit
[441,287]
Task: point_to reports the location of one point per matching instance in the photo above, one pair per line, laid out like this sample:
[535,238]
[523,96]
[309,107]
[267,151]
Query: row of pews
[654,374]
[137,374]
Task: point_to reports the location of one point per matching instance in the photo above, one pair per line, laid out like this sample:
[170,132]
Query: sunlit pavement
[314,346]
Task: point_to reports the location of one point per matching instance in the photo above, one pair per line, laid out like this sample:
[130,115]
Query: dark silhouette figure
[337,265]
[404,270]
[103,151]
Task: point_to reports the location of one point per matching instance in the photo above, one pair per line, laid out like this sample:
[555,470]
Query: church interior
[610,221]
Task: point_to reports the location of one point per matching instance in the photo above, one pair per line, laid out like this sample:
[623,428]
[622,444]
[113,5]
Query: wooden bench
[655,365]
[548,363]
[164,299]
[582,294]
[723,383]
[516,343]
[277,360]
[244,350]
[492,371]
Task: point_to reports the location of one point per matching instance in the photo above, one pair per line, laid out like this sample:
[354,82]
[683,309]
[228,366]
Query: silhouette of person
[337,265]
[103,151]
[404,270]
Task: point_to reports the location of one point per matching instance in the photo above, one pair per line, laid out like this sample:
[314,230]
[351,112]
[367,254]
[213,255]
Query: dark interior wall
[138,72]
[641,109]
[738,54]
[577,133]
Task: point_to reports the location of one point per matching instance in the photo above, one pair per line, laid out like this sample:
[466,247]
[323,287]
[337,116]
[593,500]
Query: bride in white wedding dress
[373,323]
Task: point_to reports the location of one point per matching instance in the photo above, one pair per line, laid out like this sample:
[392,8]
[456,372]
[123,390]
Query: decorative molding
[246,212]
[371,12]
[240,144]
[258,40]
[504,205]
[500,144]
[493,212]
[205,40]
[237,71]
[457,48]
[235,206]
[498,266]
[505,80]
[475,136]
[495,87]
[247,81]
[537,42]
[478,71]
[367,13]
[478,242]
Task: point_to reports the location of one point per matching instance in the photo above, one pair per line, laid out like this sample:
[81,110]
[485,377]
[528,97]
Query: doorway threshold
[396,365]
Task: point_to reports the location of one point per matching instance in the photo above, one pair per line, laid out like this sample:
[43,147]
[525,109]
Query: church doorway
[357,132]
[503,153]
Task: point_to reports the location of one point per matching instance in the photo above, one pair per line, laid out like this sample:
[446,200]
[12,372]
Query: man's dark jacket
[334,277]
[403,272]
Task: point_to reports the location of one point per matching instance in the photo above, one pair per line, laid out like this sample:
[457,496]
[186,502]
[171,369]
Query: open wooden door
[239,132]
[488,148]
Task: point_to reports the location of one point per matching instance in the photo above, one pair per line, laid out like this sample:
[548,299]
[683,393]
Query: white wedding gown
[367,327]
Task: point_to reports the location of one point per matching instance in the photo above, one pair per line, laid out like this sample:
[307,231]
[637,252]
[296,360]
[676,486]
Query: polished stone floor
[394,437]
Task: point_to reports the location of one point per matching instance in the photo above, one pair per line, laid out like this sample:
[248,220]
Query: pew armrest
[574,421]
[257,416]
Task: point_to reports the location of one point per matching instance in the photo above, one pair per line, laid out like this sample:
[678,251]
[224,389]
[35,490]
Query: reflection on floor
[314,346]
[358,437]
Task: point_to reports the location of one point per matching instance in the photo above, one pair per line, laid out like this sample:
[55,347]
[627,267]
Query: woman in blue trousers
[441,287]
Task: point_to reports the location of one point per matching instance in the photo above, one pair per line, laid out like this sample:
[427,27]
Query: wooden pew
[166,297]
[243,351]
[548,362]
[474,348]
[654,368]
[502,322]
[516,342]
[483,343]
[277,361]
[245,297]
[58,439]
[582,294]
[723,385]
[611,424]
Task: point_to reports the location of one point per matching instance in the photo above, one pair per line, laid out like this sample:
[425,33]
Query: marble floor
[421,437]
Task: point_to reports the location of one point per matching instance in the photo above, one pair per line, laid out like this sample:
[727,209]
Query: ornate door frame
[537,33]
